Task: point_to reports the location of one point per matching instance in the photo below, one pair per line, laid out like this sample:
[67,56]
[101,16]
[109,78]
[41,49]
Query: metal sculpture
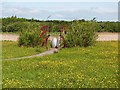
[55,41]
[62,30]
[44,30]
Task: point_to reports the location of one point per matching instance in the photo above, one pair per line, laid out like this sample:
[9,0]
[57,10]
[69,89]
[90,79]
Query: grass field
[79,67]
[12,50]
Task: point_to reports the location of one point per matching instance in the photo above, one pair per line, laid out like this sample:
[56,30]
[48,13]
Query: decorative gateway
[55,42]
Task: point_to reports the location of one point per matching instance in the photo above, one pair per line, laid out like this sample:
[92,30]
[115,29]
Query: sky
[61,10]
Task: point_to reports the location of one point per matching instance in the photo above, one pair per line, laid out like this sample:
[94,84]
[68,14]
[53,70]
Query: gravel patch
[103,36]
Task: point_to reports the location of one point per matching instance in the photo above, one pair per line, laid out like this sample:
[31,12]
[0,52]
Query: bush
[30,36]
[81,34]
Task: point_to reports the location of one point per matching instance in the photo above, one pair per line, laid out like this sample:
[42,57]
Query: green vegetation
[84,67]
[11,50]
[108,26]
[78,67]
[81,34]
[14,24]
[30,37]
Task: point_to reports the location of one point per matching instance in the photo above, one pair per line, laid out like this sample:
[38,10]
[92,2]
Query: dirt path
[107,36]
[9,37]
[51,51]
[104,36]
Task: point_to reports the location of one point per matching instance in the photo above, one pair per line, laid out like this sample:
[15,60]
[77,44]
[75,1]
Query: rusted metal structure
[55,42]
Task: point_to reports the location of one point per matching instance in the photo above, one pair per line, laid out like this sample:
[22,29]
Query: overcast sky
[103,11]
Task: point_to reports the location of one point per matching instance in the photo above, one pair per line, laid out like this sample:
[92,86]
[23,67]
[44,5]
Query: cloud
[24,12]
[60,12]
[104,10]
[59,15]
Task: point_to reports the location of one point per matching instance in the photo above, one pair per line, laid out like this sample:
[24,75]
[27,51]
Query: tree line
[15,24]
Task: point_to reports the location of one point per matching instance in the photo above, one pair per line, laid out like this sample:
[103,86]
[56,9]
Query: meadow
[76,67]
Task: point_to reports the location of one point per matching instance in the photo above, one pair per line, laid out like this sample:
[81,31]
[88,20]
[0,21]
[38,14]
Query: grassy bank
[91,67]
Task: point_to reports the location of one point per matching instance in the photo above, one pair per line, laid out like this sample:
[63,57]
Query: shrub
[81,34]
[30,36]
